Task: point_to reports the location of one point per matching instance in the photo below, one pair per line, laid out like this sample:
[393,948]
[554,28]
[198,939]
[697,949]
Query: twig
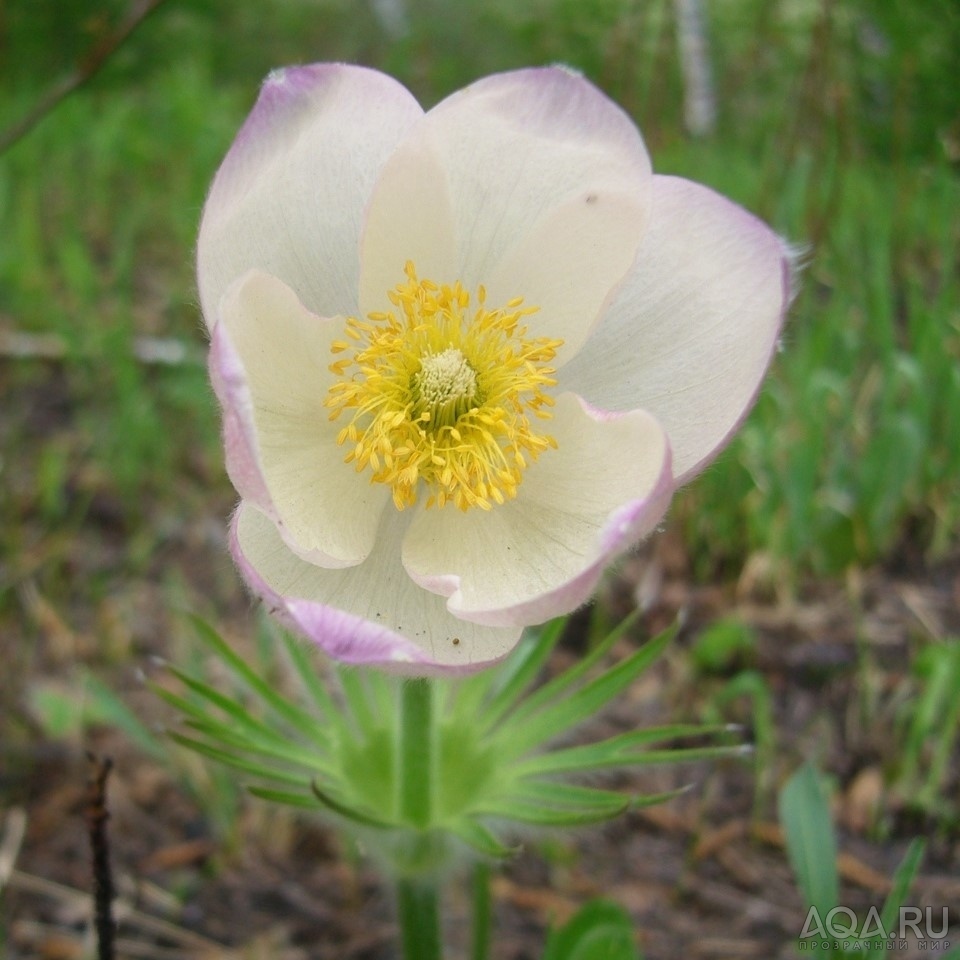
[85,71]
[159,351]
[97,816]
[15,828]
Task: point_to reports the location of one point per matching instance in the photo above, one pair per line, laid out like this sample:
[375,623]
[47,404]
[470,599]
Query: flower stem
[480,945]
[416,752]
[417,898]
[419,919]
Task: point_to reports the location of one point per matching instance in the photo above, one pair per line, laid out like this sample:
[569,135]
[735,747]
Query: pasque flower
[465,356]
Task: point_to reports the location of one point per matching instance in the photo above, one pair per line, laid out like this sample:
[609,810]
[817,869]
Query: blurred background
[819,554]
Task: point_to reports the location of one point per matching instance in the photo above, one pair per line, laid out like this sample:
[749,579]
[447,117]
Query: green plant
[491,738]
[600,930]
[428,773]
[721,654]
[812,849]
[930,726]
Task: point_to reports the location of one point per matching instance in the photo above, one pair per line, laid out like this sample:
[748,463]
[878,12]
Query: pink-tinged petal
[692,330]
[290,195]
[269,362]
[605,487]
[532,183]
[372,614]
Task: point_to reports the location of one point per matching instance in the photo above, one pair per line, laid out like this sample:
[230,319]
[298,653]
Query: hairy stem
[417,898]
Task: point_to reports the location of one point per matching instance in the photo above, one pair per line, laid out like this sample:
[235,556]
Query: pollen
[443,395]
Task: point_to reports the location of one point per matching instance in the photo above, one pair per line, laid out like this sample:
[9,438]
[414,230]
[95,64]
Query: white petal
[290,195]
[693,328]
[605,487]
[531,183]
[372,614]
[269,364]
[409,218]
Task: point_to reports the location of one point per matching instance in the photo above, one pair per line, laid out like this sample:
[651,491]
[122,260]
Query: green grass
[99,206]
[839,143]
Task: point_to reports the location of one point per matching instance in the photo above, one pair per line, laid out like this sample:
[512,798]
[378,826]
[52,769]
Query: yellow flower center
[442,394]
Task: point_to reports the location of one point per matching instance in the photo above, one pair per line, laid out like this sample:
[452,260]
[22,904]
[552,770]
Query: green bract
[491,751]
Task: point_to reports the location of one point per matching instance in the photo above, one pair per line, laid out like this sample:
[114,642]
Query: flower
[465,356]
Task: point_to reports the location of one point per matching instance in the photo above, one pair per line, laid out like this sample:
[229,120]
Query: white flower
[465,356]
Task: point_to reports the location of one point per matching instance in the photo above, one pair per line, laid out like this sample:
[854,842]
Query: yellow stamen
[443,395]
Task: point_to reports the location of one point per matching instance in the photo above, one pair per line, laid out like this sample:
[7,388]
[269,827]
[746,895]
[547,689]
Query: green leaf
[382,695]
[642,800]
[255,730]
[720,645]
[555,687]
[470,692]
[902,881]
[811,844]
[558,793]
[551,803]
[305,800]
[238,763]
[246,738]
[520,812]
[298,718]
[521,733]
[520,670]
[357,815]
[600,930]
[283,752]
[60,713]
[69,709]
[480,838]
[107,707]
[622,751]
[297,653]
[361,704]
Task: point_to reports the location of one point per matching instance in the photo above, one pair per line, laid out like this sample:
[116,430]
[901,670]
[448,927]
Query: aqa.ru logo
[843,930]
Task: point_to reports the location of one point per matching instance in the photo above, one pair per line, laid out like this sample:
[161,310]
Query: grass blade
[811,844]
[902,881]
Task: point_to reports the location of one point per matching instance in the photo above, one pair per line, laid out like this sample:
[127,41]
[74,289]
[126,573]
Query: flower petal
[531,183]
[290,195]
[606,485]
[693,328]
[371,614]
[269,365]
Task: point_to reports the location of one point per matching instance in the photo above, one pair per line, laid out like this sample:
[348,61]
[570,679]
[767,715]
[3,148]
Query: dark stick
[97,816]
[91,65]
